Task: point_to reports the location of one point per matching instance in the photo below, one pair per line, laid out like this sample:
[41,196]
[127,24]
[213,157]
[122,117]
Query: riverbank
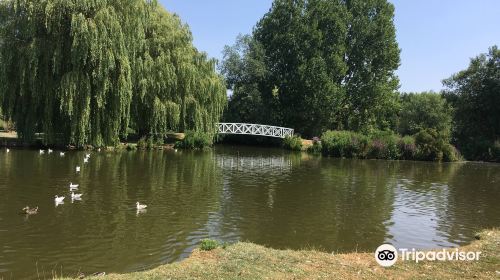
[250,261]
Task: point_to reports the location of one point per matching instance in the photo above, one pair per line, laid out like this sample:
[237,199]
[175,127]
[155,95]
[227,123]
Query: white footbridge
[254,129]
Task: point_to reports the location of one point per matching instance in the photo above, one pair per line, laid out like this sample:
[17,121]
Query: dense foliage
[195,140]
[475,95]
[426,110]
[84,71]
[426,145]
[293,143]
[316,65]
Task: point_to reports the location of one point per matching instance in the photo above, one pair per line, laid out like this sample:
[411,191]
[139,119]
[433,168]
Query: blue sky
[437,37]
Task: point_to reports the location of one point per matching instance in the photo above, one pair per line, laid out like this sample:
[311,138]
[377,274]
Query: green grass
[208,244]
[251,261]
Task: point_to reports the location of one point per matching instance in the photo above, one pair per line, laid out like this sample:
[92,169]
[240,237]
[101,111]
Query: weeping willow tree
[83,71]
[177,86]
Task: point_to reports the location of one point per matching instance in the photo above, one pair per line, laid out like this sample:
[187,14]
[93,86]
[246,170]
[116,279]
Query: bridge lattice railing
[254,129]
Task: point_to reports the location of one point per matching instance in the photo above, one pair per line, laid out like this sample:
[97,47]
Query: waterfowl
[85,160]
[30,211]
[73,186]
[8,150]
[61,154]
[42,152]
[87,155]
[140,206]
[50,151]
[76,195]
[78,169]
[99,149]
[59,199]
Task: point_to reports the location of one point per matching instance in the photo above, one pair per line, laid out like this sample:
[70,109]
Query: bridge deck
[254,129]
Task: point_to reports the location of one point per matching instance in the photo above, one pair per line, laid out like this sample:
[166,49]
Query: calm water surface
[267,196]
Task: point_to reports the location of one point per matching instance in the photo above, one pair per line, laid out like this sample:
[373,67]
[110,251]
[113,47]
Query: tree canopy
[84,71]
[475,95]
[425,110]
[316,65]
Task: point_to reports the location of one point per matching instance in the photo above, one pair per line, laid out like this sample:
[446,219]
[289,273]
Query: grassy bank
[250,261]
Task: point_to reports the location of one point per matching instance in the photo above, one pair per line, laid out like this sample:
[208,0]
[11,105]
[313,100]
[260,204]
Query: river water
[262,195]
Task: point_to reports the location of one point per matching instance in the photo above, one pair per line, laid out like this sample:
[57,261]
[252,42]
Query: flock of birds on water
[72,188]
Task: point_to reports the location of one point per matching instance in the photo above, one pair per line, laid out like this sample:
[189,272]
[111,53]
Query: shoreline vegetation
[250,261]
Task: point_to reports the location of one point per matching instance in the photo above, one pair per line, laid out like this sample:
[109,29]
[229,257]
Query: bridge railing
[254,129]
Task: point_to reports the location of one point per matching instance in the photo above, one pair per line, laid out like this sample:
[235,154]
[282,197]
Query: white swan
[42,152]
[85,160]
[76,195]
[73,186]
[61,154]
[140,206]
[59,199]
[78,169]
[50,151]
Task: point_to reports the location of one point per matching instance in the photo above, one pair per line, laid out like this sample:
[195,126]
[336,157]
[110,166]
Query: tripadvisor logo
[386,255]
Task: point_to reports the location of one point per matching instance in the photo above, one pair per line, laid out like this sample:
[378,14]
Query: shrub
[195,140]
[450,153]
[293,143]
[432,145]
[208,244]
[141,144]
[343,144]
[384,145]
[407,148]
[377,149]
[316,147]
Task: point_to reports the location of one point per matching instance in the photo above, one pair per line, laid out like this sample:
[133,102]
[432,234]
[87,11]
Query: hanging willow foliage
[83,71]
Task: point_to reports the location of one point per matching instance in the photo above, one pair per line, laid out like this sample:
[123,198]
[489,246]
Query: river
[267,196]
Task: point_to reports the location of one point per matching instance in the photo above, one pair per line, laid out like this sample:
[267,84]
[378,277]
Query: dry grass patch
[250,261]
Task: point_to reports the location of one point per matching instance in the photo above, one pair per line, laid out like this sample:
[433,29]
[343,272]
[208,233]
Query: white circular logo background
[386,255]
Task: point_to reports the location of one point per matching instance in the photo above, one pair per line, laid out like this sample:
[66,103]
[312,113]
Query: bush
[195,140]
[141,144]
[316,147]
[293,143]
[343,144]
[432,145]
[384,145]
[208,244]
[407,148]
[450,153]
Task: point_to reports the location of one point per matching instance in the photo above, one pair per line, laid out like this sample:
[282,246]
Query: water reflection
[267,196]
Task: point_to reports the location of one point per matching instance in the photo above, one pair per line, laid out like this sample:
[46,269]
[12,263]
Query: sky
[437,38]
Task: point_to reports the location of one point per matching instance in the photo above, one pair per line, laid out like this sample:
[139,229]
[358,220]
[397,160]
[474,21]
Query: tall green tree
[475,95]
[83,71]
[326,65]
[426,110]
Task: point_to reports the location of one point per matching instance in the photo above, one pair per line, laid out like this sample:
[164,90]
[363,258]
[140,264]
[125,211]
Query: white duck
[61,154]
[42,152]
[50,151]
[78,169]
[140,206]
[76,195]
[87,155]
[59,199]
[85,160]
[73,186]
[8,150]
